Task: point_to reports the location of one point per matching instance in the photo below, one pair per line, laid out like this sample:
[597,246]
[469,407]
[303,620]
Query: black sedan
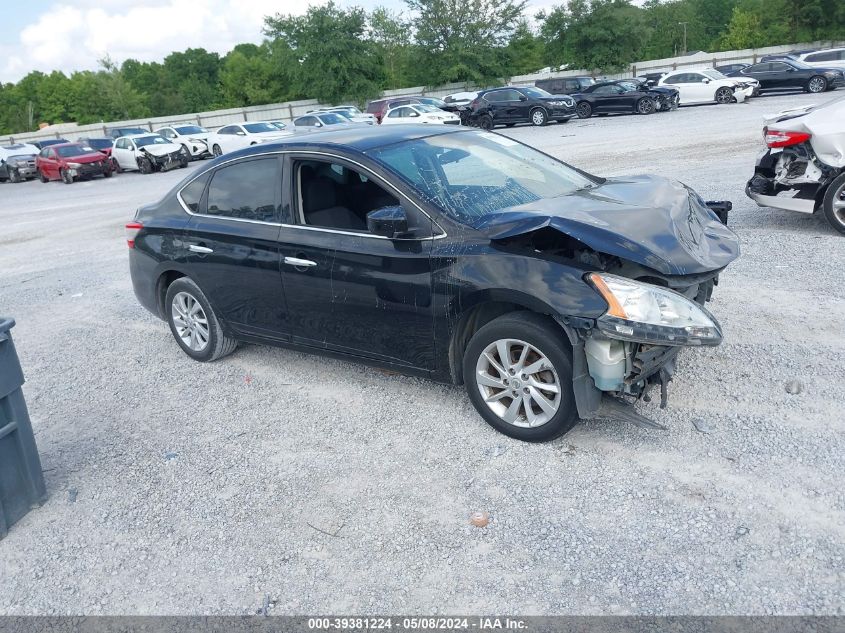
[518,104]
[458,255]
[788,74]
[622,96]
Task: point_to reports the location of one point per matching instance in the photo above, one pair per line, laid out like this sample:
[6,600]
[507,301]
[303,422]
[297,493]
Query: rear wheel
[66,177]
[107,171]
[145,166]
[817,84]
[193,322]
[645,106]
[584,110]
[485,122]
[724,95]
[833,204]
[539,117]
[518,374]
[42,176]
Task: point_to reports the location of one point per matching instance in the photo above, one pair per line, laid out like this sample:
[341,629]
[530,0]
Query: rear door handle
[196,248]
[295,261]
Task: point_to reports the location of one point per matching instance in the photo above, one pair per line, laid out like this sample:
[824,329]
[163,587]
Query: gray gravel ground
[181,488]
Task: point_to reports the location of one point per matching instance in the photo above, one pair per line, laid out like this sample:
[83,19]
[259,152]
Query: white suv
[828,58]
[192,137]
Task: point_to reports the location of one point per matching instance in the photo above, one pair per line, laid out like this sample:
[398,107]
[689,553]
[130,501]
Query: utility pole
[685,36]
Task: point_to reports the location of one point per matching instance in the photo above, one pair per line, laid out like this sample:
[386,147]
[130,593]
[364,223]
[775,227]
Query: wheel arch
[483,308]
[163,282]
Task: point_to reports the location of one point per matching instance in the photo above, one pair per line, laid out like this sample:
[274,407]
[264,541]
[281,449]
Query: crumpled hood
[160,149]
[649,220]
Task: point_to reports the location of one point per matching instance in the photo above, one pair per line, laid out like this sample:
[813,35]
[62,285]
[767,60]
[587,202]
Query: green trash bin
[21,480]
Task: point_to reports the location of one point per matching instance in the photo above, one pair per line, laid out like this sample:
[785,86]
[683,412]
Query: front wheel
[145,166]
[833,204]
[193,322]
[187,153]
[584,110]
[14,175]
[724,95]
[539,117]
[817,84]
[216,150]
[485,122]
[66,177]
[645,106]
[518,374]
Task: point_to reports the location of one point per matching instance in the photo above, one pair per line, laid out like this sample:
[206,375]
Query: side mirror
[388,222]
[318,124]
[707,81]
[240,133]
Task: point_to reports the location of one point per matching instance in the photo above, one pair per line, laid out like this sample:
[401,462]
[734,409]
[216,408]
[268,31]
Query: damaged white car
[708,86]
[148,153]
[803,166]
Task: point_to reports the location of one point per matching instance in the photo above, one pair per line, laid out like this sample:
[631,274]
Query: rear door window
[248,190]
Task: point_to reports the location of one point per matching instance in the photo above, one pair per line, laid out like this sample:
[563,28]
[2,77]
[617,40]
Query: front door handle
[295,261]
[196,248]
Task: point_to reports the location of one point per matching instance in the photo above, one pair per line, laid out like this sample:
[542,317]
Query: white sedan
[147,153]
[419,113]
[233,137]
[706,86]
[192,137]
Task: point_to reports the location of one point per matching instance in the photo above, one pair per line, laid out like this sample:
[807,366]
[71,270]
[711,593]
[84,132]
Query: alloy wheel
[190,321]
[645,106]
[584,110]
[724,95]
[518,383]
[538,117]
[839,204]
[216,150]
[817,84]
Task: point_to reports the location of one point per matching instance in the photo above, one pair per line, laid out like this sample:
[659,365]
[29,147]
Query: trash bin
[21,480]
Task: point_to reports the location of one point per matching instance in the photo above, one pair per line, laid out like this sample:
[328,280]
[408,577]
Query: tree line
[337,54]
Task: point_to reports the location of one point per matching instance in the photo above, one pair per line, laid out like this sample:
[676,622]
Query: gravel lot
[323,486]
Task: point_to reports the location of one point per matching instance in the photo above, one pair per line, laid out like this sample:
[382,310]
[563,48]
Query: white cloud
[74,36]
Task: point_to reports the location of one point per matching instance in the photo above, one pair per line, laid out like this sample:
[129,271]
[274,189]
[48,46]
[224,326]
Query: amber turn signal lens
[614,307]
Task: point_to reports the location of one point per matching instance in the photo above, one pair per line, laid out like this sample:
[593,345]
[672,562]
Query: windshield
[150,140]
[713,74]
[330,118]
[797,64]
[191,129]
[278,124]
[536,92]
[17,157]
[348,110]
[74,150]
[472,174]
[258,128]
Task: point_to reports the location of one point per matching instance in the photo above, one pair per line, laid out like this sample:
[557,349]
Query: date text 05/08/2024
[416,623]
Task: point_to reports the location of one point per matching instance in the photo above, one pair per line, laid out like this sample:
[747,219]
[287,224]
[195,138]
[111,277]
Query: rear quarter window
[249,190]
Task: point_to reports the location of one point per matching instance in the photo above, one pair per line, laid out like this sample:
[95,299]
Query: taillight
[776,138]
[131,233]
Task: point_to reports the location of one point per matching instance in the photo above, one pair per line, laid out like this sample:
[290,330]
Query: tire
[514,332]
[645,106]
[66,177]
[183,162]
[833,203]
[538,117]
[485,122]
[724,95]
[107,172]
[183,295]
[216,150]
[42,177]
[584,110]
[817,84]
[14,175]
[145,166]
[187,153]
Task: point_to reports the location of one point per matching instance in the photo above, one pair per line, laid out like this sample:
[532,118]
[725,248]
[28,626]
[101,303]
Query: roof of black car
[360,139]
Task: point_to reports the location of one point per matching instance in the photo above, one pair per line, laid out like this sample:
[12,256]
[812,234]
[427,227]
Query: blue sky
[71,35]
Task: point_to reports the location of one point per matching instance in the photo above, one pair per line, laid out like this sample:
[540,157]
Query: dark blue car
[458,255]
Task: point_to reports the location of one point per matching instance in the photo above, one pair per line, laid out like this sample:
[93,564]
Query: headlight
[74,165]
[650,314]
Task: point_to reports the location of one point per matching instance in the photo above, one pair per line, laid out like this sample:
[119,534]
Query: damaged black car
[458,255]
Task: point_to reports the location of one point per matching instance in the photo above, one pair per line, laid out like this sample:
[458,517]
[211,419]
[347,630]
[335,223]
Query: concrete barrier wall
[289,110]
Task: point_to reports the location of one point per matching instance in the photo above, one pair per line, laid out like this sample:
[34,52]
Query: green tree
[606,35]
[524,50]
[464,40]
[391,33]
[337,61]
[744,31]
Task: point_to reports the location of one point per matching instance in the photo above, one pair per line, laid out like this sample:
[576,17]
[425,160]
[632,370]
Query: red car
[69,161]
